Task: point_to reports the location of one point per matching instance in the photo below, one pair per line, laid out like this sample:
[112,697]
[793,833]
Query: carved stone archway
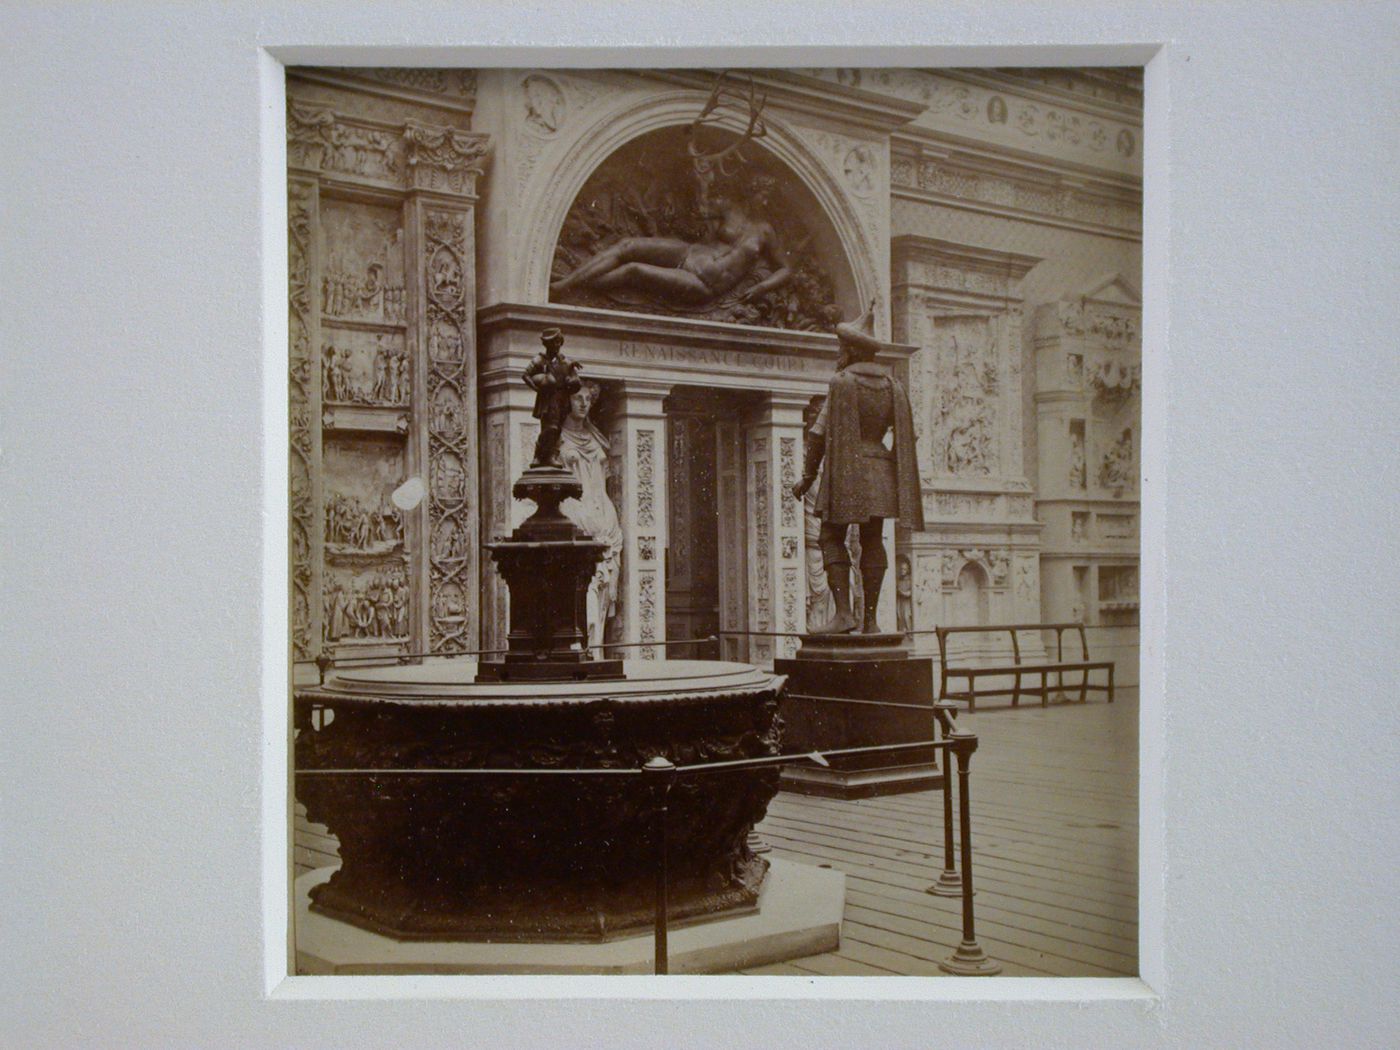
[615,127]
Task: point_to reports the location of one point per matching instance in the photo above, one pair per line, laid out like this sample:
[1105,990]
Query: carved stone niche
[648,233]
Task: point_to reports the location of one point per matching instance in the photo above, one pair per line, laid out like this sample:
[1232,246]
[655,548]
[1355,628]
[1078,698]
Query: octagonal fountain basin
[565,853]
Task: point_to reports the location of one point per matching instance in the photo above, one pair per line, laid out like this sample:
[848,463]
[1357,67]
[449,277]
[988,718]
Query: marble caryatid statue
[554,379]
[584,450]
[863,482]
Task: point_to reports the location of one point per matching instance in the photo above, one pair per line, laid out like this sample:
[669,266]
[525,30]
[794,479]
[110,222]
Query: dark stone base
[532,914]
[853,647]
[560,857]
[523,670]
[821,725]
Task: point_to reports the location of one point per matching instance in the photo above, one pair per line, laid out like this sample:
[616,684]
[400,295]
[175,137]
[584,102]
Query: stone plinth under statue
[868,668]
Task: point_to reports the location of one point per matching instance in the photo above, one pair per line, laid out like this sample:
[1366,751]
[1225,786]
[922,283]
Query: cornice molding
[1029,84]
[800,93]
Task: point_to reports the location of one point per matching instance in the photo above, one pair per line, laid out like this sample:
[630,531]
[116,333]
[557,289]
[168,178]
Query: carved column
[441,171]
[776,584]
[641,430]
[304,467]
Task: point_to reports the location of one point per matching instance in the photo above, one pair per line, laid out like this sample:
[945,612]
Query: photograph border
[281,979]
[145,461]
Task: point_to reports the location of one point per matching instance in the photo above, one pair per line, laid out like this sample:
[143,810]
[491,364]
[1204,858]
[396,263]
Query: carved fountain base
[552,857]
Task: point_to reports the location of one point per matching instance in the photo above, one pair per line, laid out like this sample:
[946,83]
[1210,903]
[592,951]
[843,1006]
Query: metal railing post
[663,771]
[969,960]
[949,884]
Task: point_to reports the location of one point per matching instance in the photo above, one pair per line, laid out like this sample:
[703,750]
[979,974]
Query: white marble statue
[584,450]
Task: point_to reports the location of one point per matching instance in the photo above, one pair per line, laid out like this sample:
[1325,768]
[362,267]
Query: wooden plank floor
[1054,822]
[1054,818]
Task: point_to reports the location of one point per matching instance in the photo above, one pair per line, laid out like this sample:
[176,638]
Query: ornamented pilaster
[775,592]
[642,426]
[305,414]
[445,330]
[440,166]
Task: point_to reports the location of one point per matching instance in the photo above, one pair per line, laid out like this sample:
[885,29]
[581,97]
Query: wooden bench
[1018,669]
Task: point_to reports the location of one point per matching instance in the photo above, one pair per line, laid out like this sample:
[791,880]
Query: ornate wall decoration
[319,139]
[1078,473]
[999,564]
[1066,202]
[367,606]
[787,458]
[966,381]
[646,548]
[763,546]
[648,234]
[790,607]
[953,562]
[458,85]
[1027,580]
[308,134]
[362,368]
[646,480]
[1112,375]
[646,612]
[1117,327]
[443,159]
[362,272]
[301,207]
[789,547]
[1116,471]
[861,167]
[446,264]
[545,104]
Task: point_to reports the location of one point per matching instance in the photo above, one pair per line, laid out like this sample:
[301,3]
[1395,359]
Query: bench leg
[1110,685]
[1016,692]
[1084,686]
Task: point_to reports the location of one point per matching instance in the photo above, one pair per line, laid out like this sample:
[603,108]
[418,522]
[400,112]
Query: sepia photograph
[715,520]
[788,524]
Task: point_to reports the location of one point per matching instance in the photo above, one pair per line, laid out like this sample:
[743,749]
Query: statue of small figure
[554,379]
[904,595]
[862,481]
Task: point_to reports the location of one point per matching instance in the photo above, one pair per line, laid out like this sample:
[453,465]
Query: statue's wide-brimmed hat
[859,335]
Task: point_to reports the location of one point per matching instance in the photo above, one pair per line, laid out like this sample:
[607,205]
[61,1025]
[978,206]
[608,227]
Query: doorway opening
[706,570]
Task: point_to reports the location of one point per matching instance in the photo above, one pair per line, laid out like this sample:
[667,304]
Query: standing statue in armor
[862,481]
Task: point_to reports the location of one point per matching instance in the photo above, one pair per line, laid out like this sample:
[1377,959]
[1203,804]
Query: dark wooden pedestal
[820,725]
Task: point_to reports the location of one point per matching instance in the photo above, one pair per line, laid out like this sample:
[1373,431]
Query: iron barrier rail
[967,960]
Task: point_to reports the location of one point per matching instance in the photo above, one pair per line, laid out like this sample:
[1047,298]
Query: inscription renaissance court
[679,459]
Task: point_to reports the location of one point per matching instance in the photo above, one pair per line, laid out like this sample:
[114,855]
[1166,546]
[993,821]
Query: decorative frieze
[1068,201]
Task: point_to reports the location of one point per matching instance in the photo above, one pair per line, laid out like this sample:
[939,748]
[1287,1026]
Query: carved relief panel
[366,594]
[362,276]
[381,295]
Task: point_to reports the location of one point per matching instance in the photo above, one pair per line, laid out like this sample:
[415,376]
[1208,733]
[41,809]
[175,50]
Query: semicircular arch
[615,127]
